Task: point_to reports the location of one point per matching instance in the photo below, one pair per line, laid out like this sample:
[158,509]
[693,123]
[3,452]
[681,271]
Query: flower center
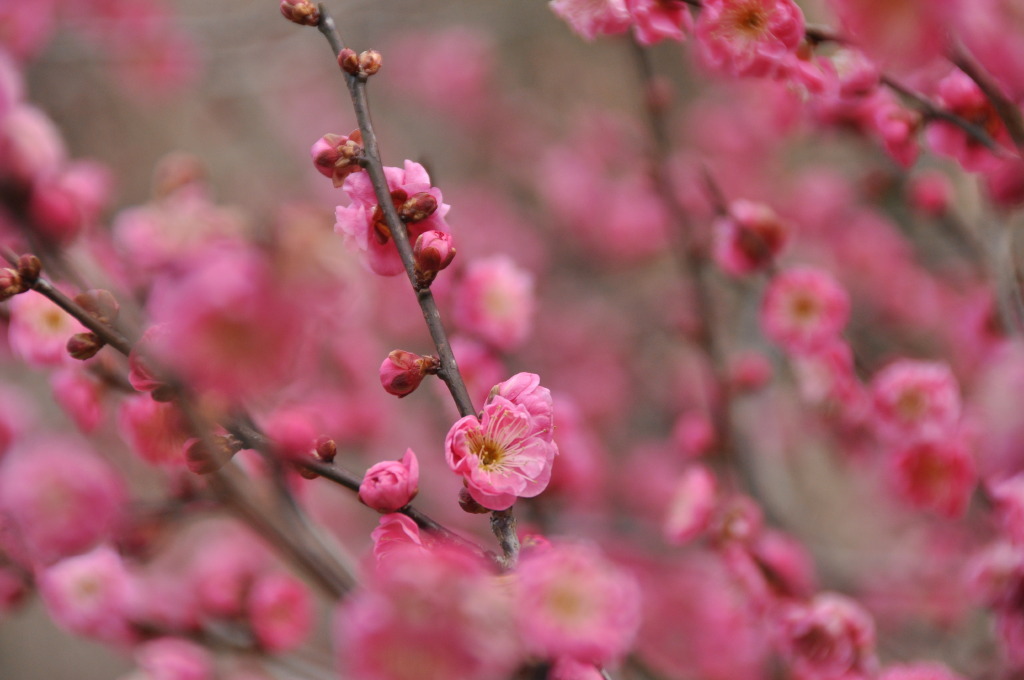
[490,453]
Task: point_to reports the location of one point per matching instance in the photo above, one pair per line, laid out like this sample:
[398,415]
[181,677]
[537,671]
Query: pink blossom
[749,37]
[362,221]
[694,433]
[494,301]
[1008,495]
[80,395]
[749,371]
[390,485]
[803,309]
[227,563]
[900,32]
[692,505]
[402,372]
[27,28]
[280,612]
[89,594]
[959,95]
[231,328]
[935,474]
[915,399]
[748,238]
[657,20]
[591,18]
[155,431]
[931,192]
[524,389]
[479,364]
[826,377]
[897,127]
[39,330]
[65,203]
[395,533]
[72,502]
[790,566]
[30,145]
[567,668]
[428,615]
[169,658]
[572,602]
[336,156]
[919,671]
[432,252]
[829,638]
[502,455]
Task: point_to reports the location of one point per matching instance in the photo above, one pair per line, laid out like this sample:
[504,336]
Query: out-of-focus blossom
[591,18]
[919,671]
[169,658]
[900,33]
[961,96]
[395,533]
[692,505]
[572,602]
[935,474]
[749,37]
[280,612]
[829,638]
[748,238]
[657,20]
[494,302]
[915,399]
[89,595]
[39,330]
[428,615]
[155,431]
[803,309]
[60,497]
[80,395]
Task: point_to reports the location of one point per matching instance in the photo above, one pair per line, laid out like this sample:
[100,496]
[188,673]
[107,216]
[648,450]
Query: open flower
[508,451]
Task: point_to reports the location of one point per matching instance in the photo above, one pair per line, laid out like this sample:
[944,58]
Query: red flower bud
[302,12]
[369,62]
[402,372]
[29,268]
[84,346]
[417,207]
[349,61]
[432,252]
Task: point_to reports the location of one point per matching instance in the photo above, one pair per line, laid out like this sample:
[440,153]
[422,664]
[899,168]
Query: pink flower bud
[84,346]
[390,485]
[337,156]
[433,252]
[326,449]
[10,284]
[302,12]
[418,207]
[402,372]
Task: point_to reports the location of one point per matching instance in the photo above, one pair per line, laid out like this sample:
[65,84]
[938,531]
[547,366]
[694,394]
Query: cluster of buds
[362,65]
[324,450]
[301,12]
[410,209]
[338,156]
[432,252]
[100,305]
[402,372]
[16,281]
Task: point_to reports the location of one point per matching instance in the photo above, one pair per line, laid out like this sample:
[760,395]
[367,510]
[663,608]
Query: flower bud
[324,449]
[402,372]
[337,156]
[418,207]
[391,485]
[84,346]
[432,252]
[369,62]
[349,61]
[301,12]
[29,268]
[202,460]
[11,284]
[100,305]
[469,504]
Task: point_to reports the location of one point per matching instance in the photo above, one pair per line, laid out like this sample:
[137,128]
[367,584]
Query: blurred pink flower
[391,485]
[829,638]
[169,658]
[657,20]
[749,238]
[935,474]
[915,399]
[804,308]
[280,612]
[494,301]
[39,331]
[89,595]
[749,37]
[572,602]
[591,18]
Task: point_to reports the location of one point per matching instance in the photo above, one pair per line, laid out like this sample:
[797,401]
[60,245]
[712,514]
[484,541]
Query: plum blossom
[572,602]
[935,474]
[748,238]
[508,451]
[495,302]
[959,95]
[591,18]
[657,20]
[428,615]
[89,594]
[390,485]
[395,533]
[280,612]
[829,638]
[39,330]
[362,224]
[692,505]
[804,308]
[749,37]
[915,399]
[169,658]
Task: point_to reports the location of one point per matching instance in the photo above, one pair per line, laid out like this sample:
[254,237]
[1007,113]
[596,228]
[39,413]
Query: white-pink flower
[804,309]
[89,594]
[915,399]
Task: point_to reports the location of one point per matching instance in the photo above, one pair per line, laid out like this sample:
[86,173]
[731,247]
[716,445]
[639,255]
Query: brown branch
[502,524]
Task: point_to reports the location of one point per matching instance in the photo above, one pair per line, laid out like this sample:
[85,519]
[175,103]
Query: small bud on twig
[349,61]
[29,268]
[402,372]
[84,346]
[369,62]
[418,207]
[338,156]
[11,284]
[301,12]
[325,449]
[432,252]
[362,65]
